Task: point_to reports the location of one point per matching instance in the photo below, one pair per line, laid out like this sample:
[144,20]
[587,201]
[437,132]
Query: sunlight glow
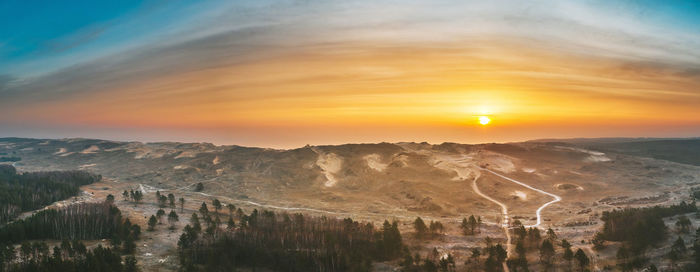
[484,120]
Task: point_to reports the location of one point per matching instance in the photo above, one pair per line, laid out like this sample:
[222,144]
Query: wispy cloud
[314,62]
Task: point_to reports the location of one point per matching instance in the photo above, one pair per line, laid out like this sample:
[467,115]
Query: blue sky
[39,36]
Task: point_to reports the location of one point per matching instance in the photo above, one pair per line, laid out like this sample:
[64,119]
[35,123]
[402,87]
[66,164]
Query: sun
[484,120]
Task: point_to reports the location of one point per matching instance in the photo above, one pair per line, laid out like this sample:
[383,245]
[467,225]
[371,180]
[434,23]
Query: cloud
[6,82]
[364,56]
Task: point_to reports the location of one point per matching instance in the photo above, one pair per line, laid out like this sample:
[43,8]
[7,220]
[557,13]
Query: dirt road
[504,212]
[539,210]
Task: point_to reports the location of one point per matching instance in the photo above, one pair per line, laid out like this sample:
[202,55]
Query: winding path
[504,208]
[504,212]
[539,210]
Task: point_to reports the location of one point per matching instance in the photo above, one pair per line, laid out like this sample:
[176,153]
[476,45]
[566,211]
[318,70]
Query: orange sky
[364,87]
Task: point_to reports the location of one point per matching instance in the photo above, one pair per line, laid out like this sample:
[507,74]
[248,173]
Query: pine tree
[472,224]
[203,209]
[623,258]
[130,264]
[465,226]
[420,228]
[171,200]
[194,220]
[172,219]
[217,205]
[231,209]
[582,259]
[159,214]
[568,256]
[152,222]
[546,253]
[551,235]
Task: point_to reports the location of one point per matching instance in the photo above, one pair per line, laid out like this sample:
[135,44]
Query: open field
[372,182]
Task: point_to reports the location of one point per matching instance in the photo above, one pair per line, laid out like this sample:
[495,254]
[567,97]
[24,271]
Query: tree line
[640,228]
[85,221]
[69,257]
[31,191]
[283,242]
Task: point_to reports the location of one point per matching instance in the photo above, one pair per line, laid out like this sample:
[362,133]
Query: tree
[203,209]
[161,199]
[231,209]
[217,205]
[623,258]
[129,245]
[436,227]
[110,199]
[546,253]
[551,235]
[138,196]
[501,253]
[683,224]
[130,264]
[152,223]
[488,241]
[172,219]
[125,194]
[159,214]
[475,255]
[520,250]
[521,260]
[598,241]
[478,223]
[472,224]
[391,239]
[447,264]
[565,244]
[171,200]
[199,187]
[533,236]
[66,249]
[420,228]
[194,220]
[230,224]
[582,259]
[568,256]
[240,214]
[679,246]
[182,204]
[465,226]
[520,231]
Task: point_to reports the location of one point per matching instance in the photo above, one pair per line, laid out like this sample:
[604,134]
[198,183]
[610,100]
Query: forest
[85,221]
[640,227]
[283,242]
[31,191]
[69,257]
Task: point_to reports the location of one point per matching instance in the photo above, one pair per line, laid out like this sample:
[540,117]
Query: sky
[284,74]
